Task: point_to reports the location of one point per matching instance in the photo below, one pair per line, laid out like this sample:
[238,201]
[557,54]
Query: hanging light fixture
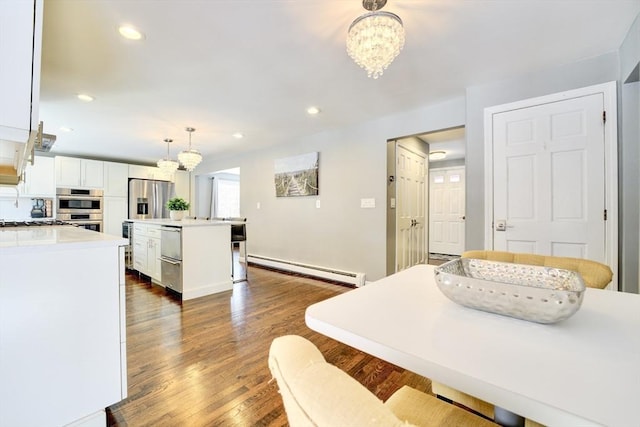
[375,38]
[168,166]
[191,158]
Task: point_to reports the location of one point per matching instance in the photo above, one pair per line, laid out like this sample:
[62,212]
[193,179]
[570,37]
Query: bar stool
[238,235]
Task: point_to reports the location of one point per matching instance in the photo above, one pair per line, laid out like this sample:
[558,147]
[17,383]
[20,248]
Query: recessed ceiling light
[84,97]
[238,135]
[66,129]
[313,111]
[129,32]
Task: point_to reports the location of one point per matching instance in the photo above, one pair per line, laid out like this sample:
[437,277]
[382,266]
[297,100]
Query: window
[227,198]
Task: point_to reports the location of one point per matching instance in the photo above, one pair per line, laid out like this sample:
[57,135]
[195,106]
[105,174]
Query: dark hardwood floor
[204,362]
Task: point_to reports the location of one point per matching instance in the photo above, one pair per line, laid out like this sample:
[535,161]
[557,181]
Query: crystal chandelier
[168,166]
[375,38]
[190,158]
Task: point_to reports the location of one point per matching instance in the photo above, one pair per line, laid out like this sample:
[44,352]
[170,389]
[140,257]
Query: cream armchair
[316,393]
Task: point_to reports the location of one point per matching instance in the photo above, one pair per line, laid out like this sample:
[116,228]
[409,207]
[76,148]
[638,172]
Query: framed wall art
[297,176]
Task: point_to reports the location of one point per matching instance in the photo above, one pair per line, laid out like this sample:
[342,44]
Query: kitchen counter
[63,352]
[55,237]
[205,257]
[185,222]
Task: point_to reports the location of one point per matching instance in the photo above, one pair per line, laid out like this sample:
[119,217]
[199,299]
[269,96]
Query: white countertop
[184,222]
[53,237]
[584,370]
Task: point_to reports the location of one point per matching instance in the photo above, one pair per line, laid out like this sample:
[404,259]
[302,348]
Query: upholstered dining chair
[317,393]
[594,275]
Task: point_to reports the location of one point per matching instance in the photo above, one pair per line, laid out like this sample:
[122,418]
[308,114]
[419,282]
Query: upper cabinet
[72,172]
[182,185]
[146,172]
[20,53]
[20,50]
[116,179]
[40,178]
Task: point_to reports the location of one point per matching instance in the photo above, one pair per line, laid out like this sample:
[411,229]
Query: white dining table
[582,371]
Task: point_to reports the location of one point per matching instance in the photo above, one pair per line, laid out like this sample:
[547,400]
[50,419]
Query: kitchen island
[62,325]
[204,255]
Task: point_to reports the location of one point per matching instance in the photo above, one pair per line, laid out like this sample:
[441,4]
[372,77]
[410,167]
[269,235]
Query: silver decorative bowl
[528,292]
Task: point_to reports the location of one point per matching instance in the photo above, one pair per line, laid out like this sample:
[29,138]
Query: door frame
[608,91]
[391,238]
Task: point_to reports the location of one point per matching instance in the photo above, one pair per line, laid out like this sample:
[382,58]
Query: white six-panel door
[446,210]
[549,179]
[410,211]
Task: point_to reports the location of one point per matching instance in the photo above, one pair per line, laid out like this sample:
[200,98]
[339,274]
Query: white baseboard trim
[353,278]
[212,288]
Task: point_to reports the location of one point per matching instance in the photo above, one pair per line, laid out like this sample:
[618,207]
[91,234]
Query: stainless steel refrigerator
[148,198]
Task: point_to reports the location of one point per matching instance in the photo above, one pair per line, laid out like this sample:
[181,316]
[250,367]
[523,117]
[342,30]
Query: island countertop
[54,237]
[185,222]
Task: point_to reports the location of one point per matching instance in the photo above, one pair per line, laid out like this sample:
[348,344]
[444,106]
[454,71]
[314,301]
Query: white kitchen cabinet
[114,211]
[146,172]
[182,185]
[79,173]
[146,250]
[154,264]
[39,181]
[40,178]
[62,326]
[20,49]
[116,179]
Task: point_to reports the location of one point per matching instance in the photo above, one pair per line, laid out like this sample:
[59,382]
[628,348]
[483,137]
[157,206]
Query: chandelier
[168,166]
[375,38]
[190,158]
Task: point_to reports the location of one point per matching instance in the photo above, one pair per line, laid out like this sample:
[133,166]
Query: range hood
[14,157]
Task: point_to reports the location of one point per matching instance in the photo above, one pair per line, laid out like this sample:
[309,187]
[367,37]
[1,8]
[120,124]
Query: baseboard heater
[356,279]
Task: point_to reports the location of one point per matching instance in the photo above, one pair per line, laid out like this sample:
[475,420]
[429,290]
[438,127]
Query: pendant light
[375,38]
[168,166]
[190,158]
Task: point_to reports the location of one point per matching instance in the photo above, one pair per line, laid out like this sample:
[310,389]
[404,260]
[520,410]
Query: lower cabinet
[146,250]
[63,337]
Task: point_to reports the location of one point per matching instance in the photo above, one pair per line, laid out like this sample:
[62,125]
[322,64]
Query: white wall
[629,155]
[352,161]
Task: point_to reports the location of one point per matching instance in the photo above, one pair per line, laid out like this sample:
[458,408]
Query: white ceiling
[254,66]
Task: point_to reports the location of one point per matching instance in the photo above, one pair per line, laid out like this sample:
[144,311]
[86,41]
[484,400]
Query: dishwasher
[171,258]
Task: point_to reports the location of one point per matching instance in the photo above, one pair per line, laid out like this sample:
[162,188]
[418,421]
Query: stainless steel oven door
[89,225]
[89,221]
[69,200]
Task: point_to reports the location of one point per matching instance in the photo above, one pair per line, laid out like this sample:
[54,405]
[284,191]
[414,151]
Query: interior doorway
[408,210]
[219,194]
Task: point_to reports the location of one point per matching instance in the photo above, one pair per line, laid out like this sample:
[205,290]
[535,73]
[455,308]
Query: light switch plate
[258,205]
[318,204]
[367,203]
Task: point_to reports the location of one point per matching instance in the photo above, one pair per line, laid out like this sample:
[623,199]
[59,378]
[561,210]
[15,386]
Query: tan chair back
[594,274]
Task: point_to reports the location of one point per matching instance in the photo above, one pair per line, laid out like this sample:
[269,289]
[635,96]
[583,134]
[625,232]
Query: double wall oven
[82,207]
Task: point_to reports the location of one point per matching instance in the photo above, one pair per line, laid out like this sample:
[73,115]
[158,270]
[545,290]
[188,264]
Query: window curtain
[213,209]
